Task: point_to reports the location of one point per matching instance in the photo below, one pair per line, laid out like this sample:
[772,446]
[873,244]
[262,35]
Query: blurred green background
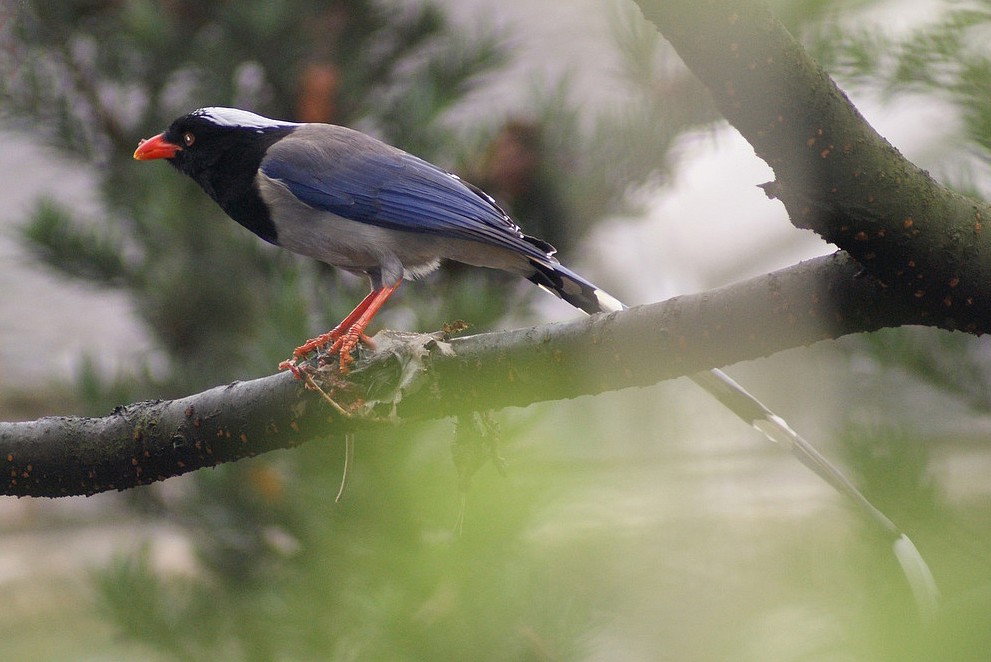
[639,525]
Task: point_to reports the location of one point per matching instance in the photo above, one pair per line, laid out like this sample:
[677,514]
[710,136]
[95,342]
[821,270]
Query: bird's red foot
[345,336]
[314,344]
[290,365]
[341,343]
[346,343]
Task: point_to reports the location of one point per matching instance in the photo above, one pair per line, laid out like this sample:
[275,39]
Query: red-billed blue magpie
[353,202]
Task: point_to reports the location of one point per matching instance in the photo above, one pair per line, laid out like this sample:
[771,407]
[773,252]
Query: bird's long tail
[591,299]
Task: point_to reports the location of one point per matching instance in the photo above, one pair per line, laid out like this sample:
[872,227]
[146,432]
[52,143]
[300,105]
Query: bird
[354,202]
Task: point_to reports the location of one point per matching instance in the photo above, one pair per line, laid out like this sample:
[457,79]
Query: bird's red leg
[337,331]
[355,333]
[347,334]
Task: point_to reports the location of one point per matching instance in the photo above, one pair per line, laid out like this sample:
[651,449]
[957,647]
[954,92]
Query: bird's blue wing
[356,177]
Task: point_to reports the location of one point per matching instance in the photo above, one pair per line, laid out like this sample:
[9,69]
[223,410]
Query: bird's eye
[188,139]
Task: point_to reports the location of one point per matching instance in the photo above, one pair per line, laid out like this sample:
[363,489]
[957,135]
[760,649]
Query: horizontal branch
[919,256]
[413,377]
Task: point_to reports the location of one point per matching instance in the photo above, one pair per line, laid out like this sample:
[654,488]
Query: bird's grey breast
[347,179]
[341,242]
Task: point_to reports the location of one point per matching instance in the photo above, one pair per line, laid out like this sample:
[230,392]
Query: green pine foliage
[944,59]
[94,78]
[529,565]
[284,572]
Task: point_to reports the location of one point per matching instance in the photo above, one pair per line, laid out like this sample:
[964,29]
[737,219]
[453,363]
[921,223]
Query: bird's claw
[316,343]
[341,343]
[345,344]
[290,365]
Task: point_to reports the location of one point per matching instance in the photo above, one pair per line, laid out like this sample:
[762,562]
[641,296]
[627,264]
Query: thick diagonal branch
[833,172]
[924,248]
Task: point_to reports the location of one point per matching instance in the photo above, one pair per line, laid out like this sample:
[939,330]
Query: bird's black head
[221,149]
[212,144]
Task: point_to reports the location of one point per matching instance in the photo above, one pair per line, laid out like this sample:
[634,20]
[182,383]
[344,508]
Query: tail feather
[580,293]
[586,296]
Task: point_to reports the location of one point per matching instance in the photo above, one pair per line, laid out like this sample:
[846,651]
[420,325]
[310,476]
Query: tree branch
[414,378]
[919,256]
[833,172]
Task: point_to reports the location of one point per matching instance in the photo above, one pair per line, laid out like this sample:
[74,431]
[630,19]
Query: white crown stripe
[236,118]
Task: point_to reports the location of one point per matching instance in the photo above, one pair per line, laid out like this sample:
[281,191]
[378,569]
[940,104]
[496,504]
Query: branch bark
[411,379]
[919,256]
[833,172]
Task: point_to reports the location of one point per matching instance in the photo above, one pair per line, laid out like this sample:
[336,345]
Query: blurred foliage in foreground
[602,542]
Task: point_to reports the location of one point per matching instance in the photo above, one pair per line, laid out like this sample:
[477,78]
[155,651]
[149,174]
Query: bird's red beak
[156,147]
